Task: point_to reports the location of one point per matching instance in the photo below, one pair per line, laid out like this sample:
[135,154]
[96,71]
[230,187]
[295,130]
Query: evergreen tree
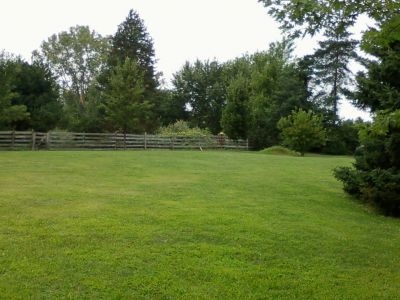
[38,91]
[134,42]
[333,19]
[375,177]
[127,108]
[9,112]
[331,71]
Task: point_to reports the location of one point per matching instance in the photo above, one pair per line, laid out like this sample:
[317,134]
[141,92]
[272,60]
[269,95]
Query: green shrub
[279,150]
[182,128]
[342,138]
[376,177]
[302,130]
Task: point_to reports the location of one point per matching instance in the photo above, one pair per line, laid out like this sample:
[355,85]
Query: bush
[279,150]
[342,138]
[302,130]
[376,177]
[350,179]
[182,128]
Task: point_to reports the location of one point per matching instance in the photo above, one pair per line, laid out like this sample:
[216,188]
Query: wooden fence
[31,140]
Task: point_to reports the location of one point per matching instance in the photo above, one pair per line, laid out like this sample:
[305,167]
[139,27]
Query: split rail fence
[31,140]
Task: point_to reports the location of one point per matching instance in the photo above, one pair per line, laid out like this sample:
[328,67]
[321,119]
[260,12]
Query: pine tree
[134,42]
[127,108]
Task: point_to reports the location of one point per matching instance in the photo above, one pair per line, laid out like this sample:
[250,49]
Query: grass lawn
[188,225]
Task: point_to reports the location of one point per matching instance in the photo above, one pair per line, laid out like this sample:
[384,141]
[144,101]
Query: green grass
[188,225]
[279,150]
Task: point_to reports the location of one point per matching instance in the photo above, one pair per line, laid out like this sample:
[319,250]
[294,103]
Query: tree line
[81,81]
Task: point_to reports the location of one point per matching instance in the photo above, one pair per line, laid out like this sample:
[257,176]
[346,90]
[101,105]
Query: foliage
[262,88]
[90,118]
[9,113]
[343,137]
[76,57]
[169,107]
[279,150]
[127,109]
[235,116]
[375,177]
[332,19]
[132,47]
[134,42]
[38,90]
[331,73]
[301,17]
[302,131]
[278,88]
[202,86]
[182,128]
[379,87]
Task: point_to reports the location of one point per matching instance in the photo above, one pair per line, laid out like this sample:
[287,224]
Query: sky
[182,30]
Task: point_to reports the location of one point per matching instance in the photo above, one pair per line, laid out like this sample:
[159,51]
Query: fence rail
[31,140]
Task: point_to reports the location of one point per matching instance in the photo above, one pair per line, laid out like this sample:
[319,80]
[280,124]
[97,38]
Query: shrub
[302,130]
[376,176]
[182,128]
[342,138]
[279,150]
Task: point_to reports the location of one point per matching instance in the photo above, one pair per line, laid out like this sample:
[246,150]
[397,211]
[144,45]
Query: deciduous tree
[302,130]
[76,57]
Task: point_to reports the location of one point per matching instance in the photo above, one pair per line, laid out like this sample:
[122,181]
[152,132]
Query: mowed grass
[188,225]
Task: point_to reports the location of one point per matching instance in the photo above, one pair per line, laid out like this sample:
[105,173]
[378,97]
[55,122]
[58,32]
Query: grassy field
[187,225]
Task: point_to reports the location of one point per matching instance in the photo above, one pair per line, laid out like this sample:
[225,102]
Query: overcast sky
[182,30]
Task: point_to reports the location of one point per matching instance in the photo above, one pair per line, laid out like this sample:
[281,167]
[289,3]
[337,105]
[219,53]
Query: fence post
[145,140]
[13,139]
[33,140]
[48,140]
[247,144]
[115,140]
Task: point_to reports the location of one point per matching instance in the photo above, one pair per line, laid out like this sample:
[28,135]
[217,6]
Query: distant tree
[343,137]
[332,19]
[9,113]
[126,106]
[261,89]
[235,116]
[76,57]
[88,118]
[331,72]
[277,87]
[301,131]
[203,87]
[134,42]
[39,92]
[170,107]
